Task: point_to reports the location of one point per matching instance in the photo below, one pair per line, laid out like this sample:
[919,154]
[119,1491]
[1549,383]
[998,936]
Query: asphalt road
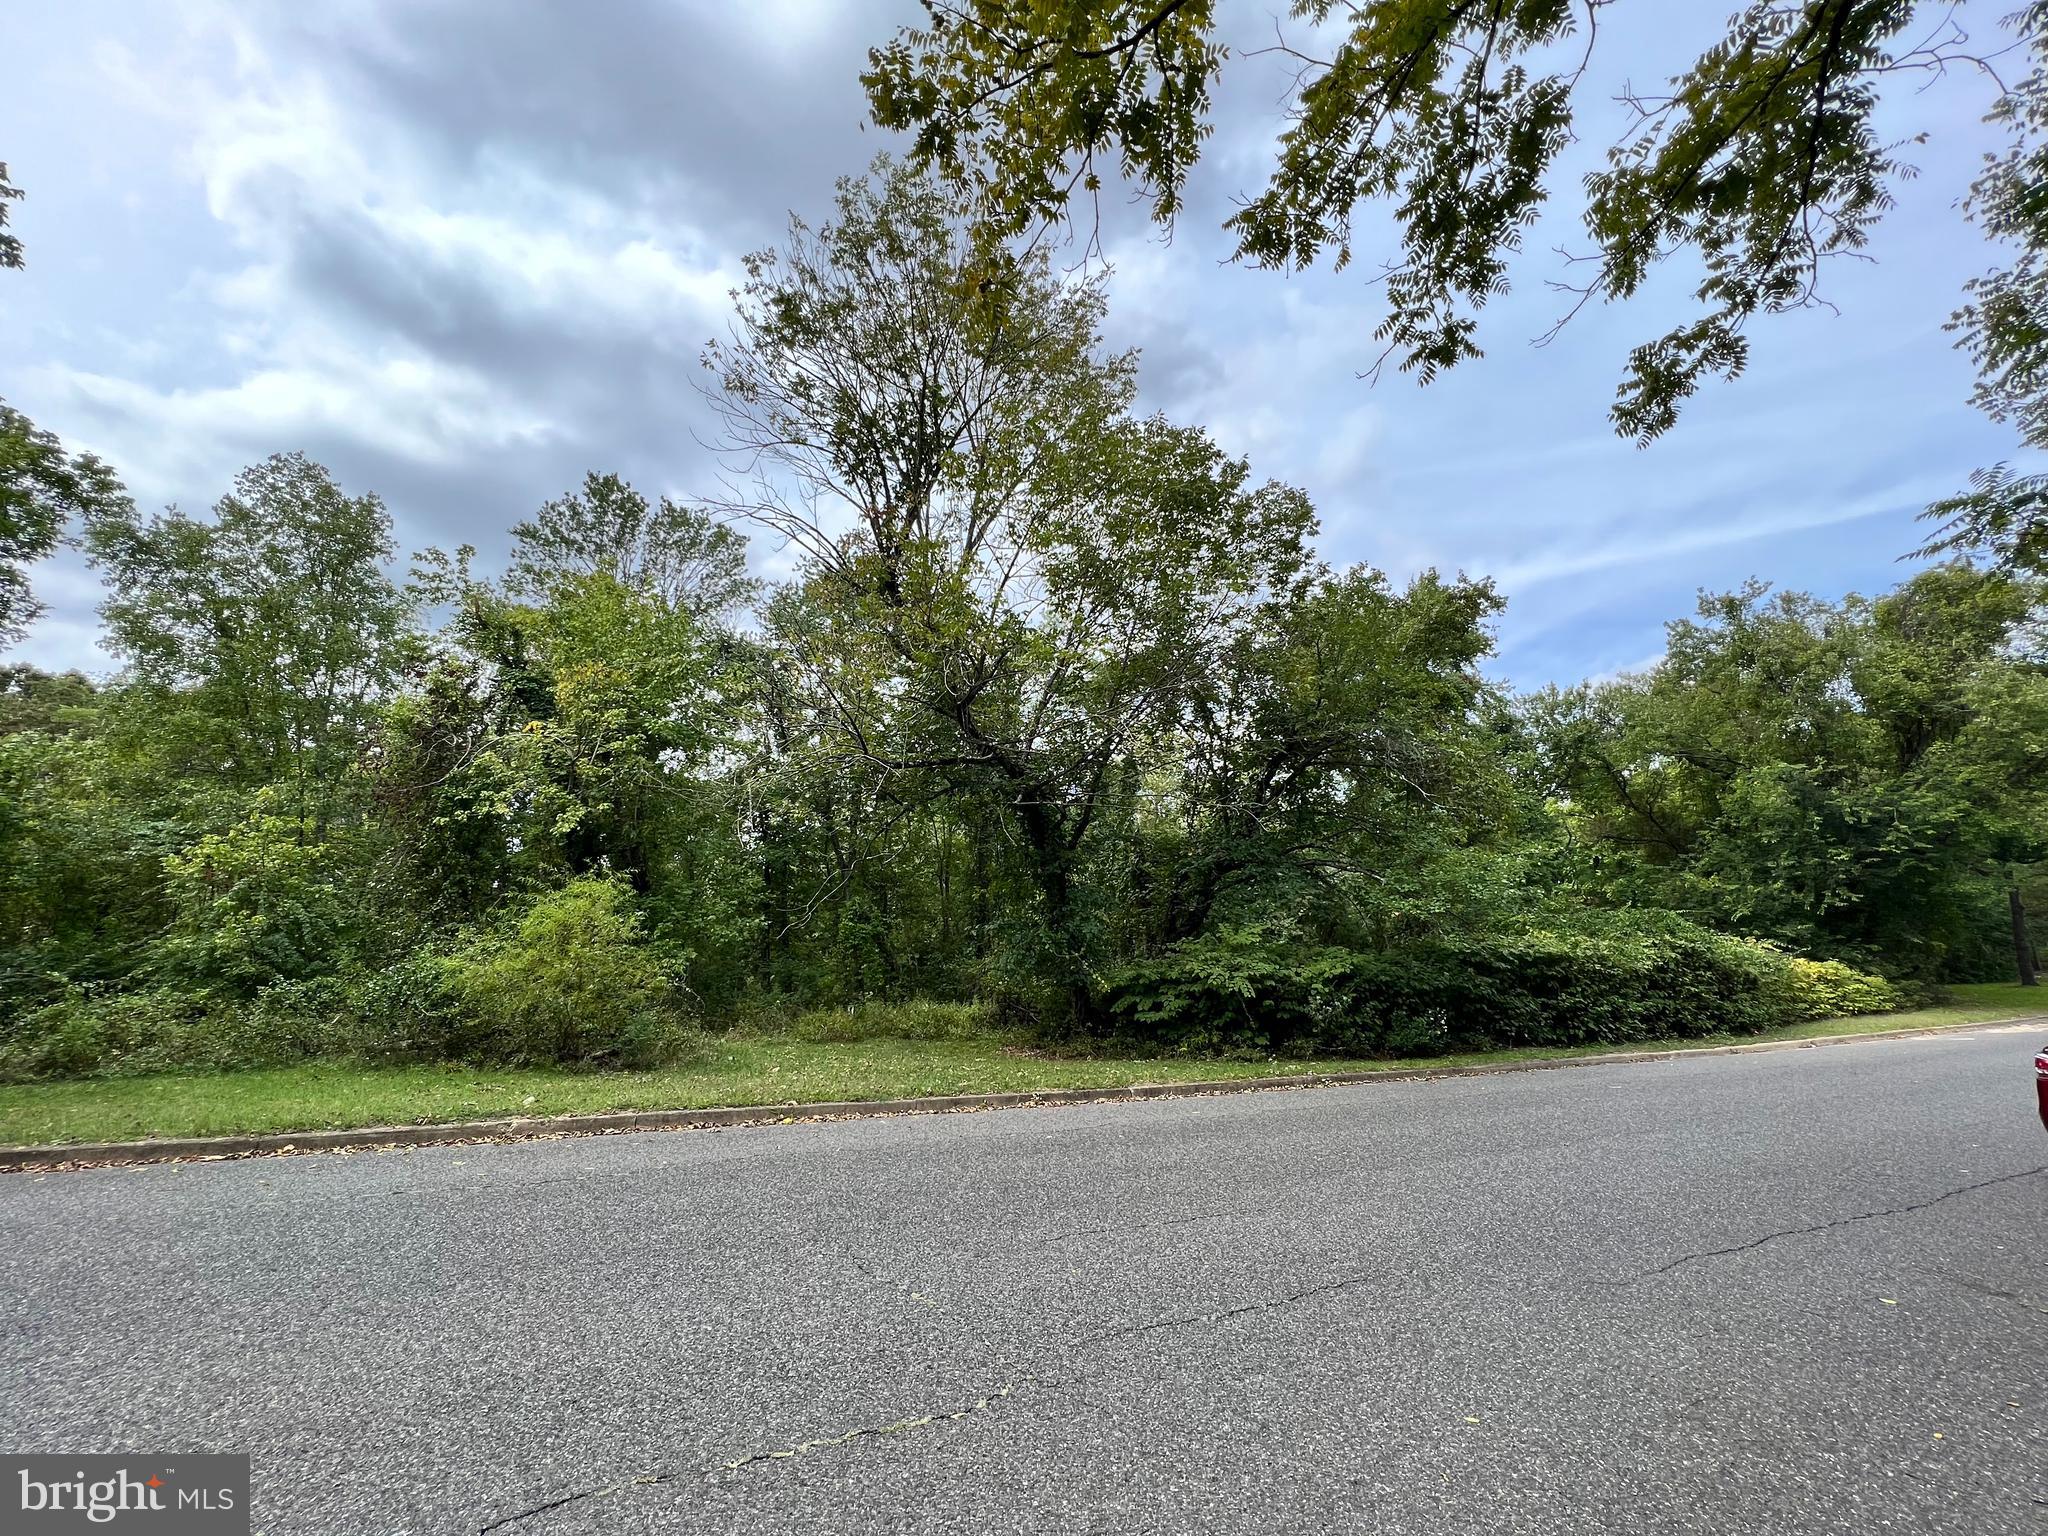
[1797,1292]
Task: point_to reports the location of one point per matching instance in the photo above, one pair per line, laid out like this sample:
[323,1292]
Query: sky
[464,252]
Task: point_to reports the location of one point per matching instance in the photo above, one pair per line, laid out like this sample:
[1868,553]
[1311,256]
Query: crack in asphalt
[876,1431]
[1196,1319]
[1840,1221]
[784,1453]
[903,1426]
[571,1498]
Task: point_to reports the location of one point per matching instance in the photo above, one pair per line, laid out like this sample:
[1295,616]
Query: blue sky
[465,252]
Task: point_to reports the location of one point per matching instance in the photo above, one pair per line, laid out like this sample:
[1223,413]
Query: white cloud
[319,387]
[1566,563]
[279,157]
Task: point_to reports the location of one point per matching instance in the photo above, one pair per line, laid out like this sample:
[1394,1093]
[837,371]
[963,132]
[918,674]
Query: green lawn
[738,1070]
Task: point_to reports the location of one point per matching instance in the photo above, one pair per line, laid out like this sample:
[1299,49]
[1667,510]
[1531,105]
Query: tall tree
[1852,778]
[1334,750]
[1011,581]
[274,623]
[574,721]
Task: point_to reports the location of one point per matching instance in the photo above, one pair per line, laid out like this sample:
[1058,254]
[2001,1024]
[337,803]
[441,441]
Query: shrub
[92,1033]
[568,979]
[1828,989]
[85,1033]
[1552,988]
[264,901]
[404,1011]
[1241,989]
[1617,978]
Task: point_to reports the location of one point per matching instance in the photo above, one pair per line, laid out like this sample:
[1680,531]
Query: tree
[273,628]
[1760,159]
[34,700]
[674,553]
[891,369]
[1334,751]
[1856,779]
[41,489]
[1011,583]
[579,725]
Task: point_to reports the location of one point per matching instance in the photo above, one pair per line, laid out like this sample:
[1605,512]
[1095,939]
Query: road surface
[1795,1292]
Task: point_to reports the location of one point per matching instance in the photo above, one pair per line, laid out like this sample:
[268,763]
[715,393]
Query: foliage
[1816,774]
[1760,159]
[90,1032]
[566,978]
[10,245]
[42,488]
[1828,989]
[2003,514]
[2004,326]
[1248,987]
[269,632]
[267,899]
[1599,981]
[79,857]
[671,553]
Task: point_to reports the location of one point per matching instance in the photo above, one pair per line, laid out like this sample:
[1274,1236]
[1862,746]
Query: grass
[765,1069]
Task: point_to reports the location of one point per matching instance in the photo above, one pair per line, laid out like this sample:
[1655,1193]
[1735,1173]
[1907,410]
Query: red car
[2041,1081]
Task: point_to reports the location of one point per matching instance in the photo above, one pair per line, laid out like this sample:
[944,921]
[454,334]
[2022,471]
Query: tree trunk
[2022,944]
[1051,864]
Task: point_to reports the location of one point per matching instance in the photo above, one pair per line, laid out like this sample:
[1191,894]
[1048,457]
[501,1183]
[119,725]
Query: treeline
[1061,713]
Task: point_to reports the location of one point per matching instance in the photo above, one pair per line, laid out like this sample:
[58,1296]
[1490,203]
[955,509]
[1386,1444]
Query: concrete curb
[534,1127]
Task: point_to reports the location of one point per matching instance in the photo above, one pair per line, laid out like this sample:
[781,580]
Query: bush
[91,1033]
[264,901]
[1251,988]
[1828,989]
[1619,978]
[1550,988]
[85,1034]
[403,1012]
[570,979]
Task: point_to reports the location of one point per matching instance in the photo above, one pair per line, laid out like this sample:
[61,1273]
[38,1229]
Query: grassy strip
[735,1070]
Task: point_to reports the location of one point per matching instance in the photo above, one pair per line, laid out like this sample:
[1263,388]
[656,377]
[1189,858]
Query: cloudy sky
[464,251]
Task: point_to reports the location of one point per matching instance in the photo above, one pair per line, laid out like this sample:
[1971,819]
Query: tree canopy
[1760,158]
